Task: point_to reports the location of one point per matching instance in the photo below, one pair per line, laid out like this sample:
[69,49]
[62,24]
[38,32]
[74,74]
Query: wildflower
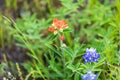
[4,78]
[10,75]
[64,45]
[58,26]
[91,55]
[89,76]
[62,37]
[59,23]
[51,29]
[55,32]
[61,30]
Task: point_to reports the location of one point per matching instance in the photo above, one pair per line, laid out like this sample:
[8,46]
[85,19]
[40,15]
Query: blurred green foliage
[92,23]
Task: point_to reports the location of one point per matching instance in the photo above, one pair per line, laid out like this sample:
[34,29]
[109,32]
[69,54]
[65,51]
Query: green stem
[90,66]
[50,6]
[63,58]
[2,41]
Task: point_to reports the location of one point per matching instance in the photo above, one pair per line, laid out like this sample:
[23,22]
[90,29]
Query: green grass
[91,24]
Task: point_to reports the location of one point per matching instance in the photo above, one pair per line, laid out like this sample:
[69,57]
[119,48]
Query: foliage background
[24,38]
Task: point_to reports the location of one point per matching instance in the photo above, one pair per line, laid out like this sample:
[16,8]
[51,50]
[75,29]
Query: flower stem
[63,58]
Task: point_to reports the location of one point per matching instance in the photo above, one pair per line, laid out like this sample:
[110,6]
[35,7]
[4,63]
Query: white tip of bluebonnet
[92,49]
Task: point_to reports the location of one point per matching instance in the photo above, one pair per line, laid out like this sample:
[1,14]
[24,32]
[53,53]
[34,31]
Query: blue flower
[91,55]
[89,76]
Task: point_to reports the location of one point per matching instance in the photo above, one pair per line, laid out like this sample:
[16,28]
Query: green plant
[59,56]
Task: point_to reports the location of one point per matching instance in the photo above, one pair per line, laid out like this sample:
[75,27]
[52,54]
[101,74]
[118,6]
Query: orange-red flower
[58,26]
[51,29]
[62,37]
[59,23]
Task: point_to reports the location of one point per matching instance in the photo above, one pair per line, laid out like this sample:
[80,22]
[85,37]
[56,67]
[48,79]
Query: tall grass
[91,24]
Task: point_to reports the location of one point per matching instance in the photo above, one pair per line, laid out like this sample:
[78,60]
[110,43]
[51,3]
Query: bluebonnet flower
[91,55]
[89,76]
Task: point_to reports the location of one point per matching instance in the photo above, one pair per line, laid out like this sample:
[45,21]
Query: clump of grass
[19,72]
[91,24]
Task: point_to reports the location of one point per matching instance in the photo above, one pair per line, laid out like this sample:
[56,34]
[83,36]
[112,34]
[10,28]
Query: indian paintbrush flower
[91,55]
[58,26]
[89,76]
[62,37]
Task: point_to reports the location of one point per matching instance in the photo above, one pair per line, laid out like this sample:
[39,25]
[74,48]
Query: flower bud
[62,37]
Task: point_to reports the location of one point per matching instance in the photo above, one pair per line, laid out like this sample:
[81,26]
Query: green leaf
[53,49]
[68,51]
[77,76]
[101,62]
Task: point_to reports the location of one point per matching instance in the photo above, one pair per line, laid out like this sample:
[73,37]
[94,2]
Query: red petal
[51,29]
[65,26]
[62,37]
[63,21]
[55,20]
